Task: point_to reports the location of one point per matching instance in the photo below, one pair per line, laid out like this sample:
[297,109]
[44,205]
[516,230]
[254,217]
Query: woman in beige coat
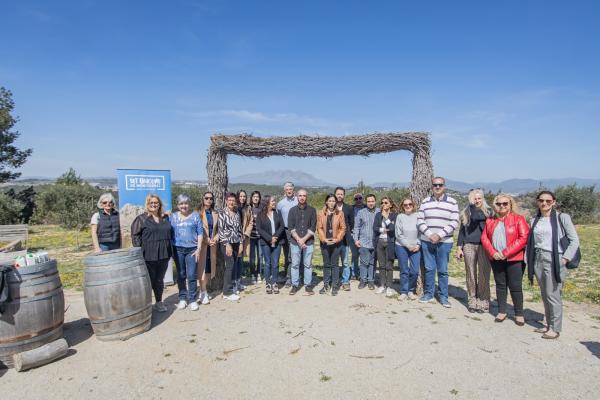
[210,242]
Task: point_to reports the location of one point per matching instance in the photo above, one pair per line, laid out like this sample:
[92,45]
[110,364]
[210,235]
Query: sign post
[134,185]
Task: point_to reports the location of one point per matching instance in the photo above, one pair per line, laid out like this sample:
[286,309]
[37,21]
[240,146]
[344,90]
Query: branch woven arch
[246,145]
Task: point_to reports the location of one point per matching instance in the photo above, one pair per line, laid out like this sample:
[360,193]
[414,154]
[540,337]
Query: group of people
[358,237]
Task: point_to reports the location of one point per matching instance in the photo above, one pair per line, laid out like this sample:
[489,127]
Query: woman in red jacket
[504,240]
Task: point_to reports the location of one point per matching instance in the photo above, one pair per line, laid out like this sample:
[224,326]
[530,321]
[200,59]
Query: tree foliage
[10,210]
[10,156]
[17,206]
[581,203]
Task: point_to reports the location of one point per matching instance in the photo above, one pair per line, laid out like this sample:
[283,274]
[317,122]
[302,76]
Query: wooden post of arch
[246,145]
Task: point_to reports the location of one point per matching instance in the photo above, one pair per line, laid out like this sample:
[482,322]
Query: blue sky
[507,89]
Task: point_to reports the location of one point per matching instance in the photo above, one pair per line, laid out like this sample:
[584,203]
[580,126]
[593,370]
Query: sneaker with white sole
[181,305]
[194,306]
[412,296]
[204,298]
[232,297]
[447,304]
[160,307]
[403,297]
[389,292]
[380,290]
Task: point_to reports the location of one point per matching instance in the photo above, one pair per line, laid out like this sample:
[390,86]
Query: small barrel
[35,313]
[117,294]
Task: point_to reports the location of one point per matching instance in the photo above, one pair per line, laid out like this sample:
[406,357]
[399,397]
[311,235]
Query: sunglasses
[547,201]
[154,203]
[358,198]
[407,205]
[438,185]
[106,202]
[504,204]
[385,202]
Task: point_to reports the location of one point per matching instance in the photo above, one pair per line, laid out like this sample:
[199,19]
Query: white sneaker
[204,298]
[160,307]
[181,305]
[254,280]
[232,297]
[258,279]
[412,296]
[389,292]
[380,290]
[241,286]
[235,288]
[194,306]
[403,297]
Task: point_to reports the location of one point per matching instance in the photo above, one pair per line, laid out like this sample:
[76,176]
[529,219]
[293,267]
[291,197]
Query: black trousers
[331,265]
[509,274]
[156,271]
[386,266]
[229,263]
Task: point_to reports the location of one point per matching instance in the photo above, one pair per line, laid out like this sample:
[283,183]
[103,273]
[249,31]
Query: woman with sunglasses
[477,265]
[152,232]
[547,259]
[504,239]
[384,238]
[230,243]
[187,240]
[408,249]
[254,255]
[105,225]
[210,242]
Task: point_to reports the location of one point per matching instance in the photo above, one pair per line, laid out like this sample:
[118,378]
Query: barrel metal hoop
[14,342]
[95,270]
[37,281]
[115,331]
[109,281]
[37,296]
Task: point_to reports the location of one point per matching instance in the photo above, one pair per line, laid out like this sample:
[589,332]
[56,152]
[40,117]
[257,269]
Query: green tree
[69,178]
[581,203]
[10,156]
[10,210]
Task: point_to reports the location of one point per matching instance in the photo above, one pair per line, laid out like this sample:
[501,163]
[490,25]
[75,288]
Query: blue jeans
[306,254]
[254,257]
[187,272]
[367,264]
[271,258]
[355,269]
[109,246]
[410,262]
[345,265]
[436,258]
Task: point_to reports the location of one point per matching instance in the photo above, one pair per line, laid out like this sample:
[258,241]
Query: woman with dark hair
[331,226]
[245,213]
[408,249]
[152,232]
[210,242]
[270,227]
[254,255]
[230,240]
[477,264]
[504,239]
[552,244]
[384,238]
[187,240]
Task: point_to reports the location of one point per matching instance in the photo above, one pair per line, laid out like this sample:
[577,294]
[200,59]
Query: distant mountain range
[299,178]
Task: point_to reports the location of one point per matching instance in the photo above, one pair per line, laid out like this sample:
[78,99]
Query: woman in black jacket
[152,232]
[270,227]
[384,239]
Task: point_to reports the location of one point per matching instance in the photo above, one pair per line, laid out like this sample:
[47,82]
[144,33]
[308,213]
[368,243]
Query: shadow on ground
[593,347]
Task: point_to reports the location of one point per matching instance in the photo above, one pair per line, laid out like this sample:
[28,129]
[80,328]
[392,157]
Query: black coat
[348,211]
[391,233]
[263,227]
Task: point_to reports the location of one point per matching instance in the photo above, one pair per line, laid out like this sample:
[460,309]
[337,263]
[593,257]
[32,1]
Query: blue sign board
[136,184]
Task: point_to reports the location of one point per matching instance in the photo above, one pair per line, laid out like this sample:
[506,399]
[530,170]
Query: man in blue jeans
[363,239]
[302,224]
[340,194]
[437,220]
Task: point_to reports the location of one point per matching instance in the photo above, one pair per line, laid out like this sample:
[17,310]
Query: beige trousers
[477,268]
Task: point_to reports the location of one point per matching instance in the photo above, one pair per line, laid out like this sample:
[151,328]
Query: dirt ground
[358,345]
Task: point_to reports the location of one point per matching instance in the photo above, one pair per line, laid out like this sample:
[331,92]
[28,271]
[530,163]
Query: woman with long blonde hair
[152,232]
[504,239]
[477,265]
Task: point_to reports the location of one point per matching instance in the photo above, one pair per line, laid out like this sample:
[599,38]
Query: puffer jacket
[517,231]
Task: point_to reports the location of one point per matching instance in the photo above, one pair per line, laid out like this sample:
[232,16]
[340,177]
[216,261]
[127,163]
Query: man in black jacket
[348,210]
[302,224]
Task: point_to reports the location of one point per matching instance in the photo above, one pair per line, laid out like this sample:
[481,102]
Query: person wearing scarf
[547,260]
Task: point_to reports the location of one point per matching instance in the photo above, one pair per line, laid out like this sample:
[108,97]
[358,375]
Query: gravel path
[357,345]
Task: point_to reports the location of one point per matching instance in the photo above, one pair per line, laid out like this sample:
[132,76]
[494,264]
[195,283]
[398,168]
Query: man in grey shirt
[363,239]
[302,224]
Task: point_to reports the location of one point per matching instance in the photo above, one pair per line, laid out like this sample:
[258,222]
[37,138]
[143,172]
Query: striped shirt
[230,227]
[363,227]
[438,217]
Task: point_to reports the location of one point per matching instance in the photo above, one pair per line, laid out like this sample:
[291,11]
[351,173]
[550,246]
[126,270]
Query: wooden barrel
[117,294]
[36,311]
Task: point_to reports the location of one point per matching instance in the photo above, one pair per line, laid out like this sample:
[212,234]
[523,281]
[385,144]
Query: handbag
[564,243]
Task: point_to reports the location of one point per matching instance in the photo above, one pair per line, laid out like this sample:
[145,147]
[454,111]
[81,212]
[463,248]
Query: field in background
[69,247]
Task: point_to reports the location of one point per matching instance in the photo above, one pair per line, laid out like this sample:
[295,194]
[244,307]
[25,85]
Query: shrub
[581,203]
